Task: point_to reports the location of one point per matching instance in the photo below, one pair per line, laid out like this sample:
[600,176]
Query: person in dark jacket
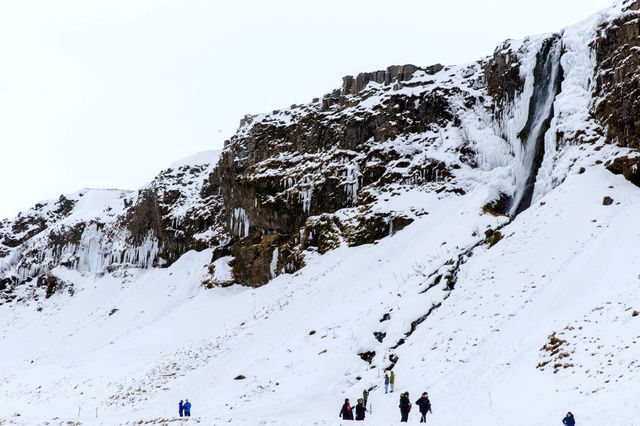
[386,383]
[361,409]
[365,396]
[392,380]
[405,407]
[181,408]
[346,412]
[569,420]
[187,408]
[425,407]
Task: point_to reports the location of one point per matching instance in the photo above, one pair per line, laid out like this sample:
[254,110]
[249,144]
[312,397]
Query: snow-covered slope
[469,227]
[130,346]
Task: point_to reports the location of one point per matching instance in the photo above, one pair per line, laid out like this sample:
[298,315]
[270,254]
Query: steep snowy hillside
[470,228]
[97,231]
[474,326]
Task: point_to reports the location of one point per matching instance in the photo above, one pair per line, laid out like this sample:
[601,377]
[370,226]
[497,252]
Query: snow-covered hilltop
[95,231]
[469,227]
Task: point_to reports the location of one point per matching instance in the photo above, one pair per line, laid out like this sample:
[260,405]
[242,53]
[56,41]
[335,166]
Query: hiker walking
[365,396]
[361,409]
[569,420]
[187,408]
[346,412]
[386,382]
[181,408]
[425,407]
[392,380]
[405,407]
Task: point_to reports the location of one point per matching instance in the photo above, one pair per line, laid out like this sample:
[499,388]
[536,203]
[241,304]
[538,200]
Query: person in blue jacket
[181,408]
[187,408]
[569,420]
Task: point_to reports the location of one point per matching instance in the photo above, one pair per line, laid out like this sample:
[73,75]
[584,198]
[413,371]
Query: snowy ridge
[90,230]
[204,158]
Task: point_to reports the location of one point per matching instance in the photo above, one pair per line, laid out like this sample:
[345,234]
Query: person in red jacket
[346,412]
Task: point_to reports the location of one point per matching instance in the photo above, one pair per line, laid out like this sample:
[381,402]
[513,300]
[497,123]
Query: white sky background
[107,93]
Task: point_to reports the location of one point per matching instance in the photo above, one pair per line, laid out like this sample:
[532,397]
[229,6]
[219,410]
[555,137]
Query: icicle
[240,224]
[274,263]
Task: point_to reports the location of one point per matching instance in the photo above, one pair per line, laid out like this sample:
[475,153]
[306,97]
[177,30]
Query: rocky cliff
[303,180]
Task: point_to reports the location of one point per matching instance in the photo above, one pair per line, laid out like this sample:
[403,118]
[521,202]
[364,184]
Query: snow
[467,321]
[222,270]
[187,177]
[572,105]
[174,339]
[90,257]
[102,204]
[204,158]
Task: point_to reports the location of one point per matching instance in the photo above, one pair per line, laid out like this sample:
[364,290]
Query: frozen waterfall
[530,151]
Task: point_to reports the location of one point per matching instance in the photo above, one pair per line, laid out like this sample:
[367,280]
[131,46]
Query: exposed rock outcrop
[96,231]
[617,78]
[393,74]
[282,170]
[309,178]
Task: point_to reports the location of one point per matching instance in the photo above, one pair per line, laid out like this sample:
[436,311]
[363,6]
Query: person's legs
[386,388]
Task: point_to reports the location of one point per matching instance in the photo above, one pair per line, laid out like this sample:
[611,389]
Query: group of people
[346,412]
[389,379]
[423,403]
[184,408]
[405,403]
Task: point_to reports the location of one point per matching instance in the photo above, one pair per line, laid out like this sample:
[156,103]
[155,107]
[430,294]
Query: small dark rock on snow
[607,201]
[367,356]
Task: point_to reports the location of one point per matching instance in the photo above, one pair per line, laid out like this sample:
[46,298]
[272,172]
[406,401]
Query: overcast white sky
[107,93]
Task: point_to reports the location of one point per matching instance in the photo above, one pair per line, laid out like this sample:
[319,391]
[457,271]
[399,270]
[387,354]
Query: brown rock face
[313,177]
[618,79]
[250,265]
[394,73]
[632,5]
[503,76]
[628,167]
[283,176]
[52,284]
[153,214]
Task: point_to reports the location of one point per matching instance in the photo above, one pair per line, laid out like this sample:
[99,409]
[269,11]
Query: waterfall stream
[548,77]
